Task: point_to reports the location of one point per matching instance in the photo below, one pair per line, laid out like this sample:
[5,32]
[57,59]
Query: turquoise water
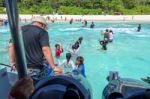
[129,53]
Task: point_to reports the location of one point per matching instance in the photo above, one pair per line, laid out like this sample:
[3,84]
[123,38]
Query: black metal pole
[5,65]
[12,12]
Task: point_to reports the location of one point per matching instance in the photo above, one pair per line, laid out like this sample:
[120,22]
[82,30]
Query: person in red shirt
[58,50]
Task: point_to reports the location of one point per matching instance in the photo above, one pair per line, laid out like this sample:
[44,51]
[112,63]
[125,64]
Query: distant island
[82,7]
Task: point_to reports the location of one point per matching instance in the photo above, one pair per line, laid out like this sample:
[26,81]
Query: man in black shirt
[36,44]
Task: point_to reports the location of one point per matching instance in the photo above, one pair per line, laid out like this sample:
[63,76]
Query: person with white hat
[37,47]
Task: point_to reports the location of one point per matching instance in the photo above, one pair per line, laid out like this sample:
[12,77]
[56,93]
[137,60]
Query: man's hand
[22,89]
[58,70]
[13,67]
[11,55]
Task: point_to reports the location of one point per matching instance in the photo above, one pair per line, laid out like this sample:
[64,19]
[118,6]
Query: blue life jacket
[82,69]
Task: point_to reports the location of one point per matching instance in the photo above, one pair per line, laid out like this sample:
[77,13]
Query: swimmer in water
[110,36]
[77,45]
[5,22]
[80,66]
[71,21]
[74,48]
[74,52]
[78,42]
[68,64]
[52,20]
[58,50]
[84,23]
[104,44]
[139,28]
[146,79]
[1,22]
[92,25]
[106,35]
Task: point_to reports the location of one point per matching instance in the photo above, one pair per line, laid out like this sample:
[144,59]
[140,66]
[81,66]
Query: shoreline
[95,18]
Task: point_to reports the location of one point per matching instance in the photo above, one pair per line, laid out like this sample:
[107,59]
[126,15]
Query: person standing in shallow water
[80,66]
[92,25]
[139,28]
[58,50]
[1,22]
[68,64]
[84,23]
[106,35]
[105,40]
[71,21]
[110,36]
[103,44]
[37,47]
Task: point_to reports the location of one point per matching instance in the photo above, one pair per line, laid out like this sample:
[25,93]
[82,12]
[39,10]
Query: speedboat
[125,88]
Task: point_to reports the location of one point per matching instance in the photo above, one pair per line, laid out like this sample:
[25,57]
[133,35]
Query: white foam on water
[69,29]
[95,29]
[132,31]
[87,28]
[128,29]
[142,36]
[4,30]
[2,50]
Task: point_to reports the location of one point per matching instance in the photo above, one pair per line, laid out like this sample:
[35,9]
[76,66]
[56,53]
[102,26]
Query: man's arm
[11,53]
[48,55]
[44,42]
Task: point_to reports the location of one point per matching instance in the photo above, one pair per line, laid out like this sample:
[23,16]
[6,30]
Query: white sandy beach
[134,18]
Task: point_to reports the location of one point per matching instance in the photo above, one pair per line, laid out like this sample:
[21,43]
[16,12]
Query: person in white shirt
[110,36]
[67,64]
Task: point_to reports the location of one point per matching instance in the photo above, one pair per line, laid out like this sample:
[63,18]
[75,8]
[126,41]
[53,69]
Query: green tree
[82,6]
[55,4]
[1,3]
[104,4]
[130,3]
[116,5]
[93,4]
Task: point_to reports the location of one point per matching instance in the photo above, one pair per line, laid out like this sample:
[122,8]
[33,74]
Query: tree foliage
[81,6]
